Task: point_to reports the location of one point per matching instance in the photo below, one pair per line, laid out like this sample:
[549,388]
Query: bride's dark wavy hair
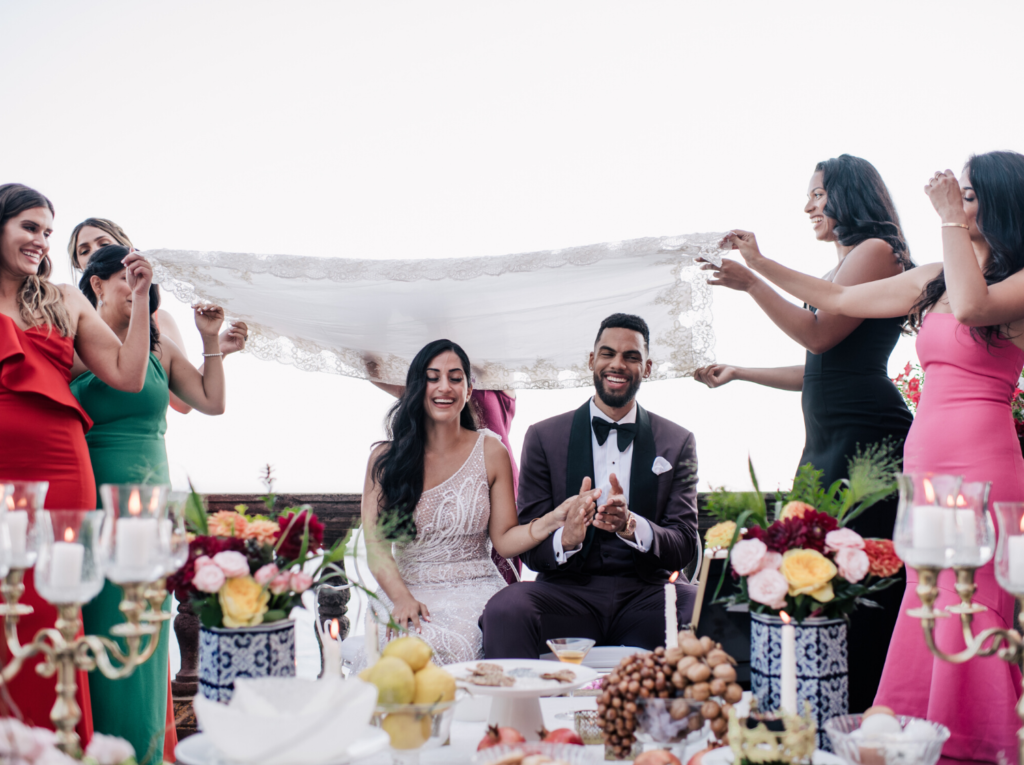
[860,204]
[398,470]
[997,178]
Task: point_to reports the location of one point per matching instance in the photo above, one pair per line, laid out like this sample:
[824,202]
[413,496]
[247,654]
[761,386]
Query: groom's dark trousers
[608,591]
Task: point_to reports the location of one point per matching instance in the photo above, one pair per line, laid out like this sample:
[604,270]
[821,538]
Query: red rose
[292,528]
[882,558]
[913,385]
[794,533]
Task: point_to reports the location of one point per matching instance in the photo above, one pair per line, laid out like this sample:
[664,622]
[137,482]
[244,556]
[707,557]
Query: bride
[438,493]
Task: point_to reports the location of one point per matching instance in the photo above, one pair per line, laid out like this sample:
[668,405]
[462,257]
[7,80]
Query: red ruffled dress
[42,438]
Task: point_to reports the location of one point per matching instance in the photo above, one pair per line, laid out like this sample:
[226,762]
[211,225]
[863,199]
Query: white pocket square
[661,465]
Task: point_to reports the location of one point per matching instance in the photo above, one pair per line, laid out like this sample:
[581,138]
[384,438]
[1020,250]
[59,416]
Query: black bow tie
[626,432]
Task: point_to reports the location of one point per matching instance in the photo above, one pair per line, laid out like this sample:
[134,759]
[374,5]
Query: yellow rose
[809,573]
[243,602]
[794,510]
[720,535]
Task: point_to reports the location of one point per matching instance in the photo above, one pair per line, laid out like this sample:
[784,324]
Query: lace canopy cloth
[526,321]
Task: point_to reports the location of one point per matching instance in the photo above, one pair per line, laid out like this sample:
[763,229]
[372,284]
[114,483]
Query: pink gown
[495,410]
[963,427]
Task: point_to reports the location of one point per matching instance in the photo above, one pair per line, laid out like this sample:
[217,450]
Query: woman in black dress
[848,398]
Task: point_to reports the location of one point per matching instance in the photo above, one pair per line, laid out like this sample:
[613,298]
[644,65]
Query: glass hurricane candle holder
[173,534]
[23,501]
[69,569]
[133,529]
[927,500]
[970,527]
[1010,547]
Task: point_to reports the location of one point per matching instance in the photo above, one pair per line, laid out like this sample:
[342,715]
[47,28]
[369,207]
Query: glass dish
[921,745]
[569,753]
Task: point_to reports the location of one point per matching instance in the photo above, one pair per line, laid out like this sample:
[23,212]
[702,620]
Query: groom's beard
[616,400]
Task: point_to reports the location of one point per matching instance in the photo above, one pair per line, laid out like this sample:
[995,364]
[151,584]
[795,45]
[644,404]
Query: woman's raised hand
[745,242]
[139,273]
[233,338]
[408,610]
[208,319]
[731,274]
[715,375]
[943,189]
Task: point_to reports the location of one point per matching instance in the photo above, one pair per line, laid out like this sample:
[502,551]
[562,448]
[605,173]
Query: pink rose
[747,555]
[769,587]
[843,538]
[266,573]
[109,750]
[209,579]
[202,560]
[232,563]
[771,561]
[280,583]
[853,564]
[301,582]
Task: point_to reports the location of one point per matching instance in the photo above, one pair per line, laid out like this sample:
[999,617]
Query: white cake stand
[518,706]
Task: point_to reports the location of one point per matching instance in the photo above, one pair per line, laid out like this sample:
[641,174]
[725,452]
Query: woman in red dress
[42,426]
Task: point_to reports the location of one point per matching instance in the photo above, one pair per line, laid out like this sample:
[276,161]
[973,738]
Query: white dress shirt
[607,460]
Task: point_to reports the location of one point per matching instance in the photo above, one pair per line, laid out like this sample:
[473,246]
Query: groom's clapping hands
[613,514]
[579,515]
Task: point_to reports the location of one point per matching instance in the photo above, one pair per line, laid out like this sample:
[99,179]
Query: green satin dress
[126,445]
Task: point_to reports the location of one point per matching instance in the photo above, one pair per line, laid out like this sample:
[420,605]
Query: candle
[1015,552]
[17,525]
[788,665]
[671,617]
[929,529]
[371,647]
[332,651]
[136,542]
[66,566]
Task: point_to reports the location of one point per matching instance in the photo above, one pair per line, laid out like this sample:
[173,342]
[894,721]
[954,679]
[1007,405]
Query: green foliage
[208,610]
[195,512]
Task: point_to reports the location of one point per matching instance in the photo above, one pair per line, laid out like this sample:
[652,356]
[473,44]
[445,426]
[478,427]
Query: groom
[603,577]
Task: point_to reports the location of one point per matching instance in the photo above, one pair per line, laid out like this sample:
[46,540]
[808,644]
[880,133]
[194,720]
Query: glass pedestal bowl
[655,725]
[413,727]
[919,743]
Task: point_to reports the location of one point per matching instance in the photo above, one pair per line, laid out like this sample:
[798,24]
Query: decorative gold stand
[64,654]
[1006,644]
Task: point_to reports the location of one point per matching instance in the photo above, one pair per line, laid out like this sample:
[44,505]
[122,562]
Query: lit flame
[929,492]
[784,616]
[960,501]
[334,629]
[10,503]
[675,575]
[69,535]
[135,503]
[23,502]
[154,502]
[1022,524]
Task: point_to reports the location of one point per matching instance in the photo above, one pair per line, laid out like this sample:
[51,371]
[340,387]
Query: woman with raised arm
[126,445]
[847,397]
[92,234]
[437,495]
[42,426]
[969,315]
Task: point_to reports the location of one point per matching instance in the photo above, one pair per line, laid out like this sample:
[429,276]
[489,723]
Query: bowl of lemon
[415,698]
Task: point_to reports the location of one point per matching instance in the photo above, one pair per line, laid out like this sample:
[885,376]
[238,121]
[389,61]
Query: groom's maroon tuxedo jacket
[558,454]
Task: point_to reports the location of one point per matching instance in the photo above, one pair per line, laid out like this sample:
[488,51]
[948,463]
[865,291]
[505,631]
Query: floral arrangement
[807,562]
[244,570]
[909,383]
[21,744]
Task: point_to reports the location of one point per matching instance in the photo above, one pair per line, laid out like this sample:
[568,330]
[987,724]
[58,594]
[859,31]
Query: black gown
[848,399]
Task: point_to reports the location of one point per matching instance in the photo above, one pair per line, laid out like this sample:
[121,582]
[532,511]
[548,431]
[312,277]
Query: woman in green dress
[126,445]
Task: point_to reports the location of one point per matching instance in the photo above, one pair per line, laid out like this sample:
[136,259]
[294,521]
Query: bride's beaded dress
[448,566]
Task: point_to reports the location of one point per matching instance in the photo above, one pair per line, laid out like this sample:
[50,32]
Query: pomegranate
[560,736]
[657,757]
[496,736]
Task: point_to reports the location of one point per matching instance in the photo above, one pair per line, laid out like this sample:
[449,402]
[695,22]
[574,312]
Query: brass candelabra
[1008,645]
[63,653]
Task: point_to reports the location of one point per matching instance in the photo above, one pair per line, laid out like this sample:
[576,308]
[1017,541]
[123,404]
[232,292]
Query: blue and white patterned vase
[267,650]
[822,674]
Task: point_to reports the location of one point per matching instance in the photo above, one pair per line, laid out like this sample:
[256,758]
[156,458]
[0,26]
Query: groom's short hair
[626,321]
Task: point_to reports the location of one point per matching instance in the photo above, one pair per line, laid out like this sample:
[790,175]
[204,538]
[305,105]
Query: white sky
[446,129]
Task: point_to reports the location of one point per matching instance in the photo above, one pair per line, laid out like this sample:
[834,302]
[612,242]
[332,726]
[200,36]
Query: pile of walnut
[699,675]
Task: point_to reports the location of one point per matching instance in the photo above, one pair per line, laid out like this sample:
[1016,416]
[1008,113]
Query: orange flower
[226,523]
[264,532]
[882,557]
[794,510]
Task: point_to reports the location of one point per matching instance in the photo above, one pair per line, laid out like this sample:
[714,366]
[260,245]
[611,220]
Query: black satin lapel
[580,463]
[643,483]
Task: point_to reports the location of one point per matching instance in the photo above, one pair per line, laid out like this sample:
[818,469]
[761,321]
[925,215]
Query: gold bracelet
[955,225]
[529,530]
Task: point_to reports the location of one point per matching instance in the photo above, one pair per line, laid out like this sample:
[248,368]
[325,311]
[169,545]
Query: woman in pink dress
[969,315]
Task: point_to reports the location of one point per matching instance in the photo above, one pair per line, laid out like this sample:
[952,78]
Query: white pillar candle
[332,651]
[1015,552]
[671,618]
[66,566]
[17,526]
[788,691]
[930,534]
[136,542]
